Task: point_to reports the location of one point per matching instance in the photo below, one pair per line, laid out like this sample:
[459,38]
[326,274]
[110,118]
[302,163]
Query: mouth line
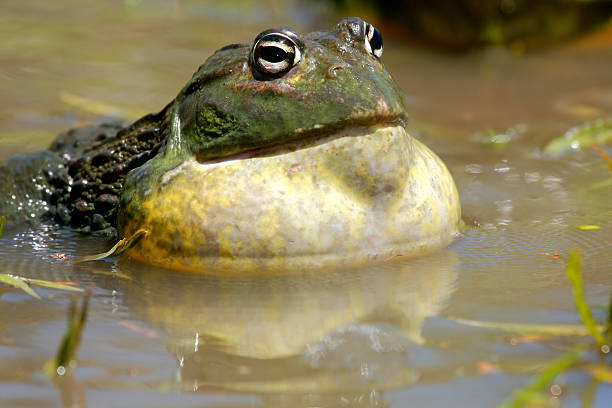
[306,138]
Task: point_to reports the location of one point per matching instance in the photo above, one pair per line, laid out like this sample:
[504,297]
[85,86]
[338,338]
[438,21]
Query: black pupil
[376,41]
[272,54]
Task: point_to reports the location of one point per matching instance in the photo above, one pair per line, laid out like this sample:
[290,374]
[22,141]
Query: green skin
[93,177]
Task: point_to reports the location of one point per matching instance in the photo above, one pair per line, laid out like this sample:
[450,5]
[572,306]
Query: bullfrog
[289,152]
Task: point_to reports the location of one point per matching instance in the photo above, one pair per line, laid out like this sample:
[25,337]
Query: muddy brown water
[392,335]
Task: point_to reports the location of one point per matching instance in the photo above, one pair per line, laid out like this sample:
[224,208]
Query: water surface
[383,336]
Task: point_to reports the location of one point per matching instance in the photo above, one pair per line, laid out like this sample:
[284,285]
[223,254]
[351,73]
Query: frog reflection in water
[290,152]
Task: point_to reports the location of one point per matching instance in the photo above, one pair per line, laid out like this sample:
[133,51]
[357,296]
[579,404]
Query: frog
[290,152]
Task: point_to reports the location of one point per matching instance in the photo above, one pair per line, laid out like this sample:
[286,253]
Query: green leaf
[119,248]
[17,282]
[532,390]
[574,275]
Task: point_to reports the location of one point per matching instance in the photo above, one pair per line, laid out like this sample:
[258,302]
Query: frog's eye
[274,54]
[373,40]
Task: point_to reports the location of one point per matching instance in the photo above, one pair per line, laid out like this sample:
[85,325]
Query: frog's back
[77,181]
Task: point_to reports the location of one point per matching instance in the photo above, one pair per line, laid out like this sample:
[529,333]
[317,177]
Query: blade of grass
[120,247]
[523,328]
[599,371]
[532,390]
[71,340]
[2,221]
[98,108]
[609,325]
[52,285]
[18,283]
[586,398]
[24,284]
[574,275]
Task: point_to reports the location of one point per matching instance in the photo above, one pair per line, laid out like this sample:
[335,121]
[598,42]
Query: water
[392,335]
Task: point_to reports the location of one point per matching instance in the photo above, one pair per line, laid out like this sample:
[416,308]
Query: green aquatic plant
[608,330]
[18,283]
[574,275]
[2,221]
[65,357]
[25,284]
[571,359]
[532,329]
[598,132]
[532,391]
[120,247]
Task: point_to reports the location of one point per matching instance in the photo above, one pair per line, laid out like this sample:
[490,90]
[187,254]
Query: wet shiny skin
[328,175]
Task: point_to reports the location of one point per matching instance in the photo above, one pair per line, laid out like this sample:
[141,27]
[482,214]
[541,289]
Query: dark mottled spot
[146,135]
[101,158]
[98,222]
[77,188]
[75,166]
[106,202]
[58,181]
[111,175]
[106,189]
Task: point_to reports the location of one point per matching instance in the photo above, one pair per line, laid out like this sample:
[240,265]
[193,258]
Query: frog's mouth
[315,134]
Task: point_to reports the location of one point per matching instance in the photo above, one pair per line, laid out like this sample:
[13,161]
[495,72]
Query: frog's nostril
[332,72]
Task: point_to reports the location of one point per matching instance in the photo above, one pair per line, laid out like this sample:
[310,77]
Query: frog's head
[285,87]
[256,141]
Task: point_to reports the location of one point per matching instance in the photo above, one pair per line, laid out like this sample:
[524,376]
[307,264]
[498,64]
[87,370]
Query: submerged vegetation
[65,357]
[574,275]
[532,393]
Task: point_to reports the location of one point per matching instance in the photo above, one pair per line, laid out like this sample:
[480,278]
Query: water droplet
[555,390]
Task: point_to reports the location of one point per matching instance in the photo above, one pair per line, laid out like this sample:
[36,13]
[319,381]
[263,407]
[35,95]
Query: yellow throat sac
[360,196]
